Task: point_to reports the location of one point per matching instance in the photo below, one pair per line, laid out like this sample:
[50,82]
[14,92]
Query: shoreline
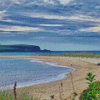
[30,83]
[45,90]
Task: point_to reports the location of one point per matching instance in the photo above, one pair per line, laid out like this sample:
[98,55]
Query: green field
[83,54]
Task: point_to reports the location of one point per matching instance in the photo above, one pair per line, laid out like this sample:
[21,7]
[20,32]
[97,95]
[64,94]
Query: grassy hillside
[19,48]
[3,47]
[12,46]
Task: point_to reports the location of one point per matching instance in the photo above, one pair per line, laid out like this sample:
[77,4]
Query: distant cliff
[21,48]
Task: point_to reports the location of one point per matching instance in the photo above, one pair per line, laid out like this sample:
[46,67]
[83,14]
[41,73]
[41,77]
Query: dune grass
[22,95]
[18,94]
[82,54]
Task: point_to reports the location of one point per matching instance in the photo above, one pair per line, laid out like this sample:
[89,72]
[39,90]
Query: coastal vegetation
[15,94]
[80,54]
[21,95]
[93,90]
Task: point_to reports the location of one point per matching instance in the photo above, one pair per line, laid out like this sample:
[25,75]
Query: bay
[28,72]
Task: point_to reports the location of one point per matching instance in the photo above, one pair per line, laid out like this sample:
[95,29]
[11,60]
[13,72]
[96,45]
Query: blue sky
[60,25]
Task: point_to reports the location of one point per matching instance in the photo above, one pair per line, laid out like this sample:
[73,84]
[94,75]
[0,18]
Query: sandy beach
[82,67]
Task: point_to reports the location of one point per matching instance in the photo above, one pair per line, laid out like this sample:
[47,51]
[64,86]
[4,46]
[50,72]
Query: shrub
[93,90]
[90,78]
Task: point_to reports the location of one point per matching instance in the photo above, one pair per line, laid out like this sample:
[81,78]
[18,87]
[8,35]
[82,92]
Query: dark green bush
[91,92]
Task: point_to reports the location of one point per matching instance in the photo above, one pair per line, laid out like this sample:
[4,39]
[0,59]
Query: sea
[27,72]
[39,53]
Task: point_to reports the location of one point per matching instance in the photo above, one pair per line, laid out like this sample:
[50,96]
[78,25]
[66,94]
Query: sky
[57,25]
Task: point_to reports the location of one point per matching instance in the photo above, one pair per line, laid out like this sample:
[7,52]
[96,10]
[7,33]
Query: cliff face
[21,48]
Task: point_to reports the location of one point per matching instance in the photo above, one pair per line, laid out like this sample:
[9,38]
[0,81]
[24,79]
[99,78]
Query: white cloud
[2,14]
[53,17]
[33,3]
[51,25]
[13,21]
[97,7]
[18,1]
[64,2]
[76,17]
[91,29]
[21,28]
[46,16]
[83,18]
[44,2]
[49,1]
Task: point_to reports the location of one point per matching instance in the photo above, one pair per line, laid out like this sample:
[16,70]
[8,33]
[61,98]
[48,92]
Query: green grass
[87,55]
[21,95]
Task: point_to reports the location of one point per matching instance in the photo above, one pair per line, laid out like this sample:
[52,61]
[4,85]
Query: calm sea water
[38,53]
[28,72]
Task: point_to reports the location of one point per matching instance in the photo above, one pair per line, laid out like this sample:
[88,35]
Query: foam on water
[36,60]
[51,64]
